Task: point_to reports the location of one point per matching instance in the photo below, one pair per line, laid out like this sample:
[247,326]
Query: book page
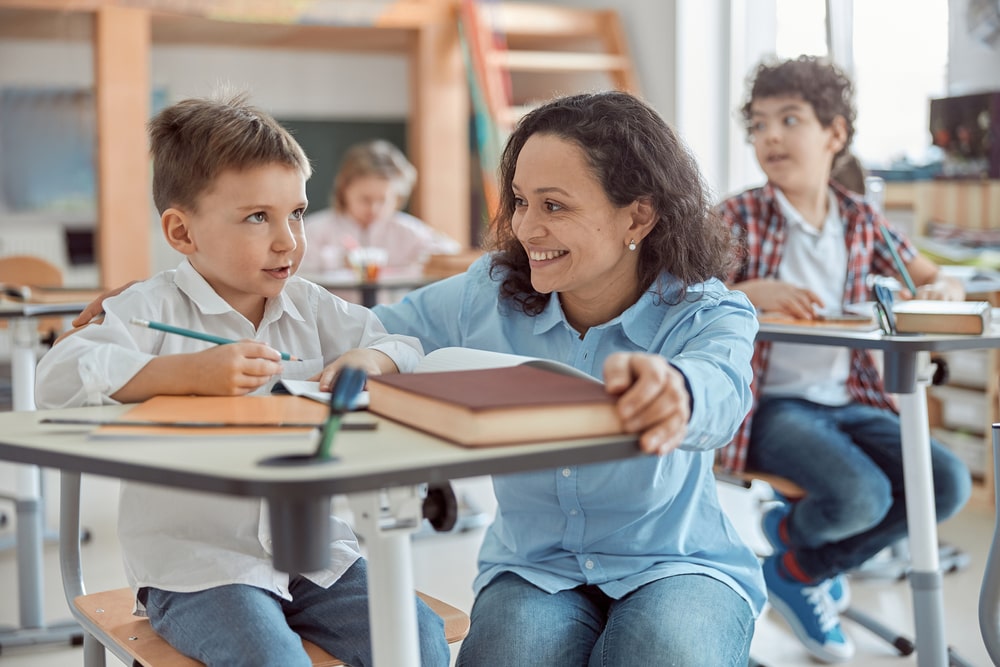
[467,358]
[310,390]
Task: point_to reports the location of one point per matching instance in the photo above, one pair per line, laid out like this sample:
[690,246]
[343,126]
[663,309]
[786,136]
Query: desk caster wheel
[440,507]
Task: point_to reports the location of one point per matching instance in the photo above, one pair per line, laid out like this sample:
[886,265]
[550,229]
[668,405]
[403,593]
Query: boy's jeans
[849,461]
[245,625]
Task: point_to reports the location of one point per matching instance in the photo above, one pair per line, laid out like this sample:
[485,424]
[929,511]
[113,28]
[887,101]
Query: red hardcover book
[496,406]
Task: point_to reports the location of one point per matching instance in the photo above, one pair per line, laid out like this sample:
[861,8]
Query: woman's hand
[95,308]
[372,362]
[653,399]
[770,295]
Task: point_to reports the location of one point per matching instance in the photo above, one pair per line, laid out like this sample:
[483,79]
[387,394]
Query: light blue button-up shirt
[622,524]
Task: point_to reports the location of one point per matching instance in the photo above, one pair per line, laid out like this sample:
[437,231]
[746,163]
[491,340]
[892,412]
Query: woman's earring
[631,244]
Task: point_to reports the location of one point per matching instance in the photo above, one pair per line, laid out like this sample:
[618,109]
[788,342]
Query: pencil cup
[368,262]
[300,533]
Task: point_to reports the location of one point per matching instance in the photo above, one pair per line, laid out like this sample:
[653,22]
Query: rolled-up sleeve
[715,361]
[89,366]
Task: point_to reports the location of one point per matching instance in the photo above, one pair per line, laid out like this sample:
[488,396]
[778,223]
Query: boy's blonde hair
[374,158]
[194,140]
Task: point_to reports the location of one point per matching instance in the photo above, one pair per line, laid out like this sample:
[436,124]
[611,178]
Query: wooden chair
[20,271]
[107,620]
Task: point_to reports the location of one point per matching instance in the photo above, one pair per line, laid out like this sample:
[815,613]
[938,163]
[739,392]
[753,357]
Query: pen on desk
[180,331]
[897,260]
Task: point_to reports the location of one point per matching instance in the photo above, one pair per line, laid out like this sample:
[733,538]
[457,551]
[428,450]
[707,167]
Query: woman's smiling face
[575,237]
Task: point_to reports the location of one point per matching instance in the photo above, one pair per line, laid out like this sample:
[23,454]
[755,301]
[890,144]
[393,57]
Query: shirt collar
[208,301]
[634,323]
[792,215]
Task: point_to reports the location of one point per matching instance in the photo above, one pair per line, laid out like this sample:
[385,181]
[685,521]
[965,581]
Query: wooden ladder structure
[522,54]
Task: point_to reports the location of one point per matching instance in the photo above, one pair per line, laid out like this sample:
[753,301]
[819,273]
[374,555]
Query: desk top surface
[392,455]
[867,338]
[388,279]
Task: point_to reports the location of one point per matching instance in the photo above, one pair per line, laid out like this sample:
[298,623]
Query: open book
[478,398]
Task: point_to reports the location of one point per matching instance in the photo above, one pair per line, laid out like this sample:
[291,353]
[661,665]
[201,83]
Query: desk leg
[392,612]
[28,500]
[921,517]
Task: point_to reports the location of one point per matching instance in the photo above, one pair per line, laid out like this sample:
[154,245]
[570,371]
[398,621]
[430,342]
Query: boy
[822,418]
[229,183]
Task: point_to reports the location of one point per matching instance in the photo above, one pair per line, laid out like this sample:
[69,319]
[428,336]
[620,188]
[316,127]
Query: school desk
[388,280]
[901,369]
[382,471]
[32,629]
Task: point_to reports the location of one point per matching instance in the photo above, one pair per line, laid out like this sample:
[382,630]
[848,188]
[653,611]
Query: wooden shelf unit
[123,33]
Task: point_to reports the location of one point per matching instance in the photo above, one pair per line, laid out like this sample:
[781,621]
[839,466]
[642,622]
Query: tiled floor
[444,566]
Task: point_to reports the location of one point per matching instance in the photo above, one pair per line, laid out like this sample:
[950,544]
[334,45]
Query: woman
[606,259]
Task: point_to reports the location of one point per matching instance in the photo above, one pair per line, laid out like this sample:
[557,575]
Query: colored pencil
[180,331]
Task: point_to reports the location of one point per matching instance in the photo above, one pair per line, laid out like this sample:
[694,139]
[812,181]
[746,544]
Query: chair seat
[782,485]
[111,611]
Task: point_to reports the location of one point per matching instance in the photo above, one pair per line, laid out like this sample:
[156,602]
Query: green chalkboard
[326,141]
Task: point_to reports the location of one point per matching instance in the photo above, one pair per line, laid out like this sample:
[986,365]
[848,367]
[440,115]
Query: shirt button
[566,472]
[589,564]
[573,512]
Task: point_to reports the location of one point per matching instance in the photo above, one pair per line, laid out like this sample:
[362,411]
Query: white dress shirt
[817,260]
[189,541]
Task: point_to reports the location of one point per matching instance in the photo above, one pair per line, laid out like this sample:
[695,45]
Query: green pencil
[897,260]
[180,331]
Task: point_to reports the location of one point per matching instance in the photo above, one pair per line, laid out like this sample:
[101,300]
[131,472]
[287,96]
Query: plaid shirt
[760,229]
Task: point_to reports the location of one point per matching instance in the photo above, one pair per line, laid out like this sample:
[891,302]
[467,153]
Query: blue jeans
[849,461]
[245,625]
[685,620]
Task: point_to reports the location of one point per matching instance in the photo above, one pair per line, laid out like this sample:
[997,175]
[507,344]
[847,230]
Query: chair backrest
[30,271]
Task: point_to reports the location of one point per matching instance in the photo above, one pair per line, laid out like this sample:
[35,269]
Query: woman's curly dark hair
[816,80]
[634,155]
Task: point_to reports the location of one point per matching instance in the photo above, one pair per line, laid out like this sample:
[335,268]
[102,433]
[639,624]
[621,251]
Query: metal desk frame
[27,496]
[900,374]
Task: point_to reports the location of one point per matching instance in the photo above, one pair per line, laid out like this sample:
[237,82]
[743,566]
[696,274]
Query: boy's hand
[233,369]
[653,399]
[770,295]
[372,362]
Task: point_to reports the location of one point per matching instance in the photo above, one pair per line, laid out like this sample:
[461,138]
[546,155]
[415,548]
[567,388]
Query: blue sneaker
[769,524]
[840,592]
[810,613]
